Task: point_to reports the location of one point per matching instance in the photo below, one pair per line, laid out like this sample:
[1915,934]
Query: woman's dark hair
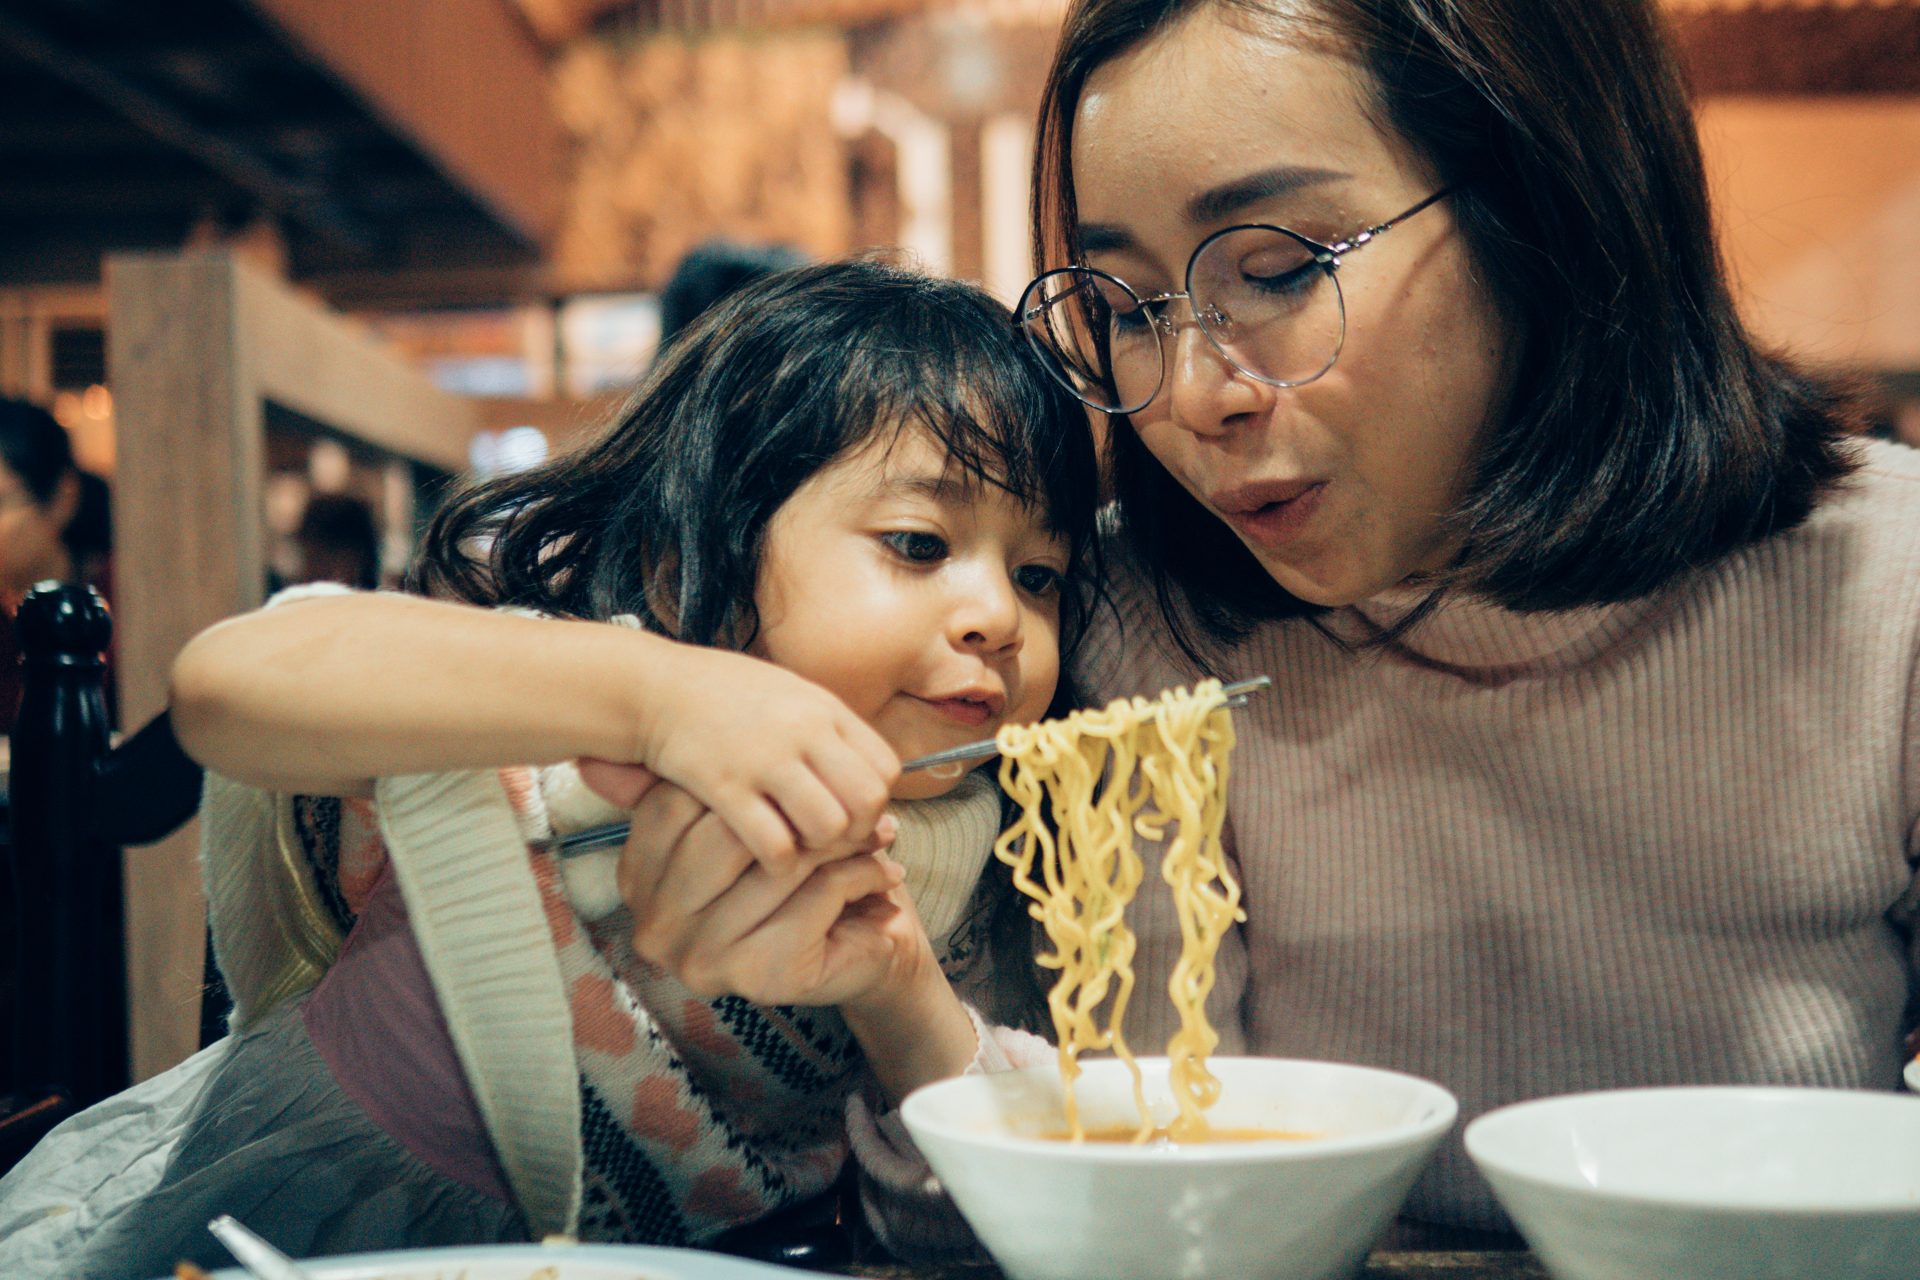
[1644,434]
[665,516]
[36,448]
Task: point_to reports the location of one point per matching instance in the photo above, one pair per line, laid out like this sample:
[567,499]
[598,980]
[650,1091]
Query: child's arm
[834,929]
[322,696]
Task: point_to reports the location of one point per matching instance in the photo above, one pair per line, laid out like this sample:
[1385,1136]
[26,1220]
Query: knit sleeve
[698,1114]
[904,1203]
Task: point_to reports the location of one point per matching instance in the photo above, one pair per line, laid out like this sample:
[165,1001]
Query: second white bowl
[1711,1183]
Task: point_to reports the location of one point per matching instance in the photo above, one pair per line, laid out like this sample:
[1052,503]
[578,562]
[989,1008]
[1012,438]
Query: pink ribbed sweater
[1671,841]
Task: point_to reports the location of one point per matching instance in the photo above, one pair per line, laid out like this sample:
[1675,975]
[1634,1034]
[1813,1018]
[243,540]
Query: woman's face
[1340,486]
[30,545]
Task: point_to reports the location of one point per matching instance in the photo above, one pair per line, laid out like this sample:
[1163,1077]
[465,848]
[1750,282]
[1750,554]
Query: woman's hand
[825,928]
[781,762]
[837,929]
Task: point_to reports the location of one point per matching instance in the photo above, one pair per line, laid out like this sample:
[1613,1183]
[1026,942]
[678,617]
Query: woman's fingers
[663,816]
[620,785]
[766,938]
[708,861]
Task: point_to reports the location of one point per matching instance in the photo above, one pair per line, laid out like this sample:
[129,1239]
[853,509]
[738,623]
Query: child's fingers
[761,826]
[866,741]
[808,803]
[863,789]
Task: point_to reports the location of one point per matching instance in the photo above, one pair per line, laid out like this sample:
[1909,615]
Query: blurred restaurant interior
[283,268]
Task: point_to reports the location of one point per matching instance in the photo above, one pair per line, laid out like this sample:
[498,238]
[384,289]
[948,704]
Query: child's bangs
[997,425]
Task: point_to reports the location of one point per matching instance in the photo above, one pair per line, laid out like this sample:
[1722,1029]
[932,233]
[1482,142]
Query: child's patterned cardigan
[621,1106]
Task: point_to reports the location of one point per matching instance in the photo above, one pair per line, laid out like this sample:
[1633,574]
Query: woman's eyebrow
[1229,198]
[1217,203]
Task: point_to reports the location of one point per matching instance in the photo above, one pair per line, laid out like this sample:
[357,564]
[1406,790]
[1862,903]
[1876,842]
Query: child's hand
[830,927]
[782,763]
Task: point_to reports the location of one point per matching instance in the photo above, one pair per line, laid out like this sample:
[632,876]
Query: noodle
[1134,766]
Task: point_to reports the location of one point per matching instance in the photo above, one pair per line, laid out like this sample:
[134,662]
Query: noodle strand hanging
[1157,769]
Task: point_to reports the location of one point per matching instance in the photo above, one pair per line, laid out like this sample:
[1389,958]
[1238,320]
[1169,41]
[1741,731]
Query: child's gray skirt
[253,1126]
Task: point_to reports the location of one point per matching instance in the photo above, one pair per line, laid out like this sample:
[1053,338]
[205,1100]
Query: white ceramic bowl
[1264,1210]
[1711,1183]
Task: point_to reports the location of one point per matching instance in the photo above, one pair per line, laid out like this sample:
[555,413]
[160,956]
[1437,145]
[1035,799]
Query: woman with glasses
[1593,758]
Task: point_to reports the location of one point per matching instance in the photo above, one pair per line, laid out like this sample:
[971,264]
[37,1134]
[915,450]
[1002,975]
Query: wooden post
[197,344]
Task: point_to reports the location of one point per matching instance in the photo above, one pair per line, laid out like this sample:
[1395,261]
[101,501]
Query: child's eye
[1038,579]
[912,544]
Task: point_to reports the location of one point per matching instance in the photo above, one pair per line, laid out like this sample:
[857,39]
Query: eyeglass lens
[1259,294]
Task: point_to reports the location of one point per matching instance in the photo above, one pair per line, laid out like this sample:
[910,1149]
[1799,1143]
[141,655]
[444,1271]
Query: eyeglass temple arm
[1348,246]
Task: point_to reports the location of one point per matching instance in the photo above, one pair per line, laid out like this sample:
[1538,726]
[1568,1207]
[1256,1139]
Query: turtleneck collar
[1478,639]
[944,844]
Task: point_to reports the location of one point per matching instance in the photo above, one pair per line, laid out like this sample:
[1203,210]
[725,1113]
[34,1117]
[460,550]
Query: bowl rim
[1445,1112]
[1896,1202]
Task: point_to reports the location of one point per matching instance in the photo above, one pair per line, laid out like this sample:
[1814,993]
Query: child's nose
[989,621]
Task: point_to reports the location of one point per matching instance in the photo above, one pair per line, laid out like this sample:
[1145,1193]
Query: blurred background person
[710,272]
[338,541]
[54,525]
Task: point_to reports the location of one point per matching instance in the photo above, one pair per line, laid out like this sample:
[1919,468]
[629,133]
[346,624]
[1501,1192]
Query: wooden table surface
[1513,1264]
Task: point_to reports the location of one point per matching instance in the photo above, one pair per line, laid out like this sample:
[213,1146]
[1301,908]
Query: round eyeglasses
[1267,298]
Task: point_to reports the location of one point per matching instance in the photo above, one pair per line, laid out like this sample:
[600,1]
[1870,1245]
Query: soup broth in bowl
[1309,1163]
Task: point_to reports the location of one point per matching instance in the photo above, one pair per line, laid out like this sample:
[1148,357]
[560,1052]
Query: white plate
[535,1262]
[1913,1075]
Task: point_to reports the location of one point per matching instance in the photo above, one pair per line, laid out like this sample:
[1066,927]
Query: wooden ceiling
[372,136]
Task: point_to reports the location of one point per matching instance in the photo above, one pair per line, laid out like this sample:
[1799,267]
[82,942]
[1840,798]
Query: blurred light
[97,402]
[329,466]
[501,453]
[521,448]
[286,501]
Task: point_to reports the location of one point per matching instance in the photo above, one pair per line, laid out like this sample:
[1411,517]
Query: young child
[839,526]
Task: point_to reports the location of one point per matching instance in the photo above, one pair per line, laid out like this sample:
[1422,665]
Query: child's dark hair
[666,515]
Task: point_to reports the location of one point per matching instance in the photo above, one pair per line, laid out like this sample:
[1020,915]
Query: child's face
[932,608]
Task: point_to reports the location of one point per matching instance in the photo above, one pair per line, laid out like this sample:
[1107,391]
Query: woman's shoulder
[1857,554]
[1877,507]
[1890,465]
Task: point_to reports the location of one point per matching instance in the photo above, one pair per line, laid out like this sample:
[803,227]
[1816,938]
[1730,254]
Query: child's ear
[663,592]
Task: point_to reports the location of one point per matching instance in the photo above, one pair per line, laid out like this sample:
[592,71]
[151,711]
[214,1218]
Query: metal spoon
[614,834]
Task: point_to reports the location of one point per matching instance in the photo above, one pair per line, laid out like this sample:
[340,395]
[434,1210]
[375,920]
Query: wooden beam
[464,80]
[198,345]
[285,195]
[1824,50]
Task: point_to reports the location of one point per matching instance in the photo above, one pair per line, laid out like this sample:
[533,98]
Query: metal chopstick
[614,834]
